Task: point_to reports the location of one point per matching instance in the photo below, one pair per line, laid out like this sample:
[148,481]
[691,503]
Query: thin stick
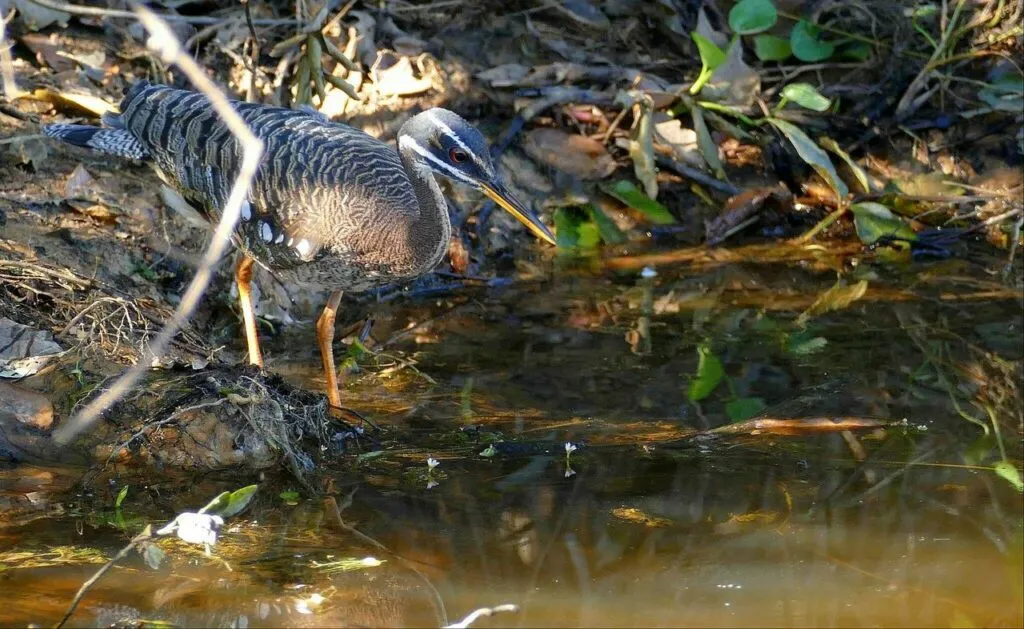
[188,19]
[121,554]
[483,612]
[6,64]
[164,41]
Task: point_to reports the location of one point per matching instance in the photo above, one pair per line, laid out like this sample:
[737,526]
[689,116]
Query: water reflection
[661,524]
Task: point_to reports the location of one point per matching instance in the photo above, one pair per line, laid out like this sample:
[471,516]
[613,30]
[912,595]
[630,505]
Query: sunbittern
[330,206]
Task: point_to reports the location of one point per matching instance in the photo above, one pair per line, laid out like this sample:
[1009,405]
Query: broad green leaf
[1007,471]
[801,343]
[857,51]
[772,48]
[238,500]
[806,45]
[628,193]
[610,232]
[813,155]
[706,144]
[218,503]
[120,497]
[589,235]
[153,555]
[744,408]
[874,221]
[567,228]
[711,56]
[831,145]
[709,374]
[290,497]
[752,16]
[806,95]
[1004,94]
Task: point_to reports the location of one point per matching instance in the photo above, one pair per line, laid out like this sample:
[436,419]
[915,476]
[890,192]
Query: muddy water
[653,520]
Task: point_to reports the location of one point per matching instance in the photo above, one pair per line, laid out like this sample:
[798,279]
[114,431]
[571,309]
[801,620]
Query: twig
[6,64]
[483,612]
[696,175]
[145,535]
[188,19]
[164,41]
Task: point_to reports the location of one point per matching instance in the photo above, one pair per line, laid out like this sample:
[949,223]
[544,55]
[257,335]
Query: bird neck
[432,228]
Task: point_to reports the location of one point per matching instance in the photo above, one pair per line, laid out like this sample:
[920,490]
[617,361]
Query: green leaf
[772,48]
[752,16]
[153,555]
[290,497]
[874,221]
[857,51]
[709,374]
[369,456]
[574,230]
[706,144]
[806,45]
[218,503]
[802,343]
[1004,94]
[813,155]
[238,500]
[625,191]
[832,146]
[1007,471]
[610,232]
[120,497]
[711,56]
[980,449]
[744,408]
[806,95]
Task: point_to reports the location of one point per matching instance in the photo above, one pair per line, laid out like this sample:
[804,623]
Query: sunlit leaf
[575,230]
[1010,473]
[831,145]
[744,408]
[120,497]
[806,95]
[628,193]
[641,149]
[290,497]
[711,56]
[709,374]
[875,221]
[813,155]
[772,48]
[752,16]
[838,297]
[218,503]
[806,45]
[238,500]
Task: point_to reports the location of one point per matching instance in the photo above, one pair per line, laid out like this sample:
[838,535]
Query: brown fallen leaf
[744,207]
[77,181]
[798,426]
[574,154]
[94,211]
[840,296]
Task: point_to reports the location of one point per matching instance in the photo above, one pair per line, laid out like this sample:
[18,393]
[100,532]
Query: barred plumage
[329,205]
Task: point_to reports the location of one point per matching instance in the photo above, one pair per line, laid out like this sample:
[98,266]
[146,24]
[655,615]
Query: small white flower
[569,473]
[432,483]
[648,272]
[432,463]
[569,448]
[198,528]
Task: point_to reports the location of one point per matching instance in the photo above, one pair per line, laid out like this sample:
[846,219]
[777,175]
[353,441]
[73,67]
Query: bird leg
[243,277]
[325,337]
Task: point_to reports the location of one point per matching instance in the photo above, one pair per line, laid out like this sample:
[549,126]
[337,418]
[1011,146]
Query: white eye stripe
[406,141]
[455,138]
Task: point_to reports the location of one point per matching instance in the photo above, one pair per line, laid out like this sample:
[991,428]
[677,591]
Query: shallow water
[653,521]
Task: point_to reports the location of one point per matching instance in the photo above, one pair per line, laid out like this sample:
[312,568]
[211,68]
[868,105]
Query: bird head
[450,146]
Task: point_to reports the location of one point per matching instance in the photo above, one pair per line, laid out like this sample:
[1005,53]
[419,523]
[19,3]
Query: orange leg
[243,277]
[325,338]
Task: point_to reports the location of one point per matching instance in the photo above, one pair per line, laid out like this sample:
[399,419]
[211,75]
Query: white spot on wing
[247,210]
[266,232]
[279,239]
[303,247]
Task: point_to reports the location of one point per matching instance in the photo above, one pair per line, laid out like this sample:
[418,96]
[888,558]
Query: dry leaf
[574,154]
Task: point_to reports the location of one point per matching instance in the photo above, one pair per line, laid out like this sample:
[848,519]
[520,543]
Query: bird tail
[112,139]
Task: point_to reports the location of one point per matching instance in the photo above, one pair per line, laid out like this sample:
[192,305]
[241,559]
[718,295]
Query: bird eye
[457,155]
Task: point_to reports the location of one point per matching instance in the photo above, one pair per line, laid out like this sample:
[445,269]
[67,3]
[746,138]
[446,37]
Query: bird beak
[500,194]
